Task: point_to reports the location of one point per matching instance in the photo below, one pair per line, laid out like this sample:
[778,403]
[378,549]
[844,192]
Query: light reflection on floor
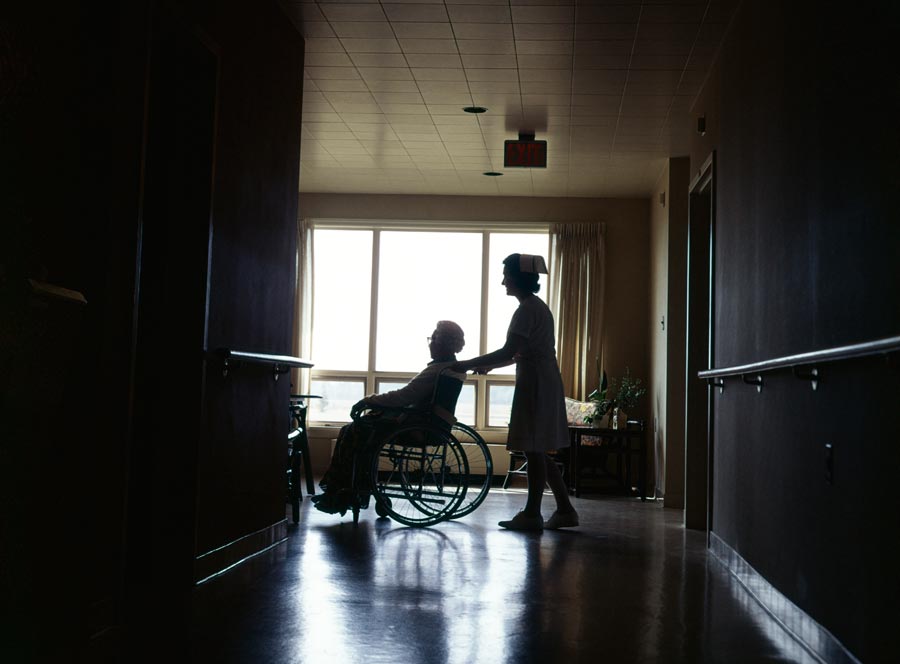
[629,585]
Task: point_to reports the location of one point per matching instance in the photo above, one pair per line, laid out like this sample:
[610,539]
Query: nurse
[538,419]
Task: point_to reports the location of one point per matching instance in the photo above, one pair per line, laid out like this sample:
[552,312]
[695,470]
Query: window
[378,292]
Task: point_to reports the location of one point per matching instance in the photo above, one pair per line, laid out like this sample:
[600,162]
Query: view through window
[377,294]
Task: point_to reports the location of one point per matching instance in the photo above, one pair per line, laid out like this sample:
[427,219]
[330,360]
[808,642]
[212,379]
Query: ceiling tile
[545,99]
[352,12]
[675,13]
[445,87]
[674,32]
[607,31]
[309,12]
[599,81]
[543,14]
[545,74]
[378,60]
[397,98]
[646,105]
[465,120]
[537,87]
[553,31]
[662,47]
[598,13]
[437,61]
[385,73]
[338,85]
[343,73]
[328,45]
[604,47]
[392,86]
[327,60]
[486,46]
[435,74]
[596,104]
[665,61]
[317,29]
[443,109]
[404,109]
[489,61]
[502,87]
[545,61]
[360,120]
[482,30]
[428,45]
[423,31]
[370,45]
[416,13]
[479,13]
[363,29]
[492,75]
[329,116]
[401,122]
[544,47]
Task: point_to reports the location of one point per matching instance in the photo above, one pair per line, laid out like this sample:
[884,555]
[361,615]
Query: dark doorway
[698,436]
[171,318]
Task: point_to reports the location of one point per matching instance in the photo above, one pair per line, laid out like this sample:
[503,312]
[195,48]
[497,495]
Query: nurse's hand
[481,371]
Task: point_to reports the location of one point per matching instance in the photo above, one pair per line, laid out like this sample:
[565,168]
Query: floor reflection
[630,585]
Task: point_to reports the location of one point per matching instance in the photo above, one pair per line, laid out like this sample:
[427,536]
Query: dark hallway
[156,216]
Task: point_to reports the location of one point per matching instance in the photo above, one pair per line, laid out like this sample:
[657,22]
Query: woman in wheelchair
[381,415]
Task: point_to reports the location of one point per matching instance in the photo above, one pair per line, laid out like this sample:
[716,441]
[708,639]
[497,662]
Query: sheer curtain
[577,297]
[302,301]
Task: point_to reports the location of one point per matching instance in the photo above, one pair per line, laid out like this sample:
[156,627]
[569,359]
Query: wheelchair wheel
[481,469]
[419,475]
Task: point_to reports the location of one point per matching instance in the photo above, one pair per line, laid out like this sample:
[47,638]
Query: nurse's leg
[558,486]
[536,472]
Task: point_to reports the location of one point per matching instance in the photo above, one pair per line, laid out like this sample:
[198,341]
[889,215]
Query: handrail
[883,346]
[281,364]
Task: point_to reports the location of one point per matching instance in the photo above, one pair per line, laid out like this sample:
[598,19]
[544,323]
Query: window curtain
[577,297]
[301,346]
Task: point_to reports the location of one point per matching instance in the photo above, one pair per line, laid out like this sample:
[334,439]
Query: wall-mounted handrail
[281,364]
[875,347]
[749,373]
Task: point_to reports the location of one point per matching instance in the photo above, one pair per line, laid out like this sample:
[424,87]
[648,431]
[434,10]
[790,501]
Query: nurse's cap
[529,263]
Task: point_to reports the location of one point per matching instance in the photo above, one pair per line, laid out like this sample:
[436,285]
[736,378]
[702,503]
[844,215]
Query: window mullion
[481,385]
[373,312]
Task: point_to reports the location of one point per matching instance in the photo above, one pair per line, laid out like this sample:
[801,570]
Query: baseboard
[817,640]
[213,563]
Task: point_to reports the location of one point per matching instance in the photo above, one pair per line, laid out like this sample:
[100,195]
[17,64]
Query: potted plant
[625,398]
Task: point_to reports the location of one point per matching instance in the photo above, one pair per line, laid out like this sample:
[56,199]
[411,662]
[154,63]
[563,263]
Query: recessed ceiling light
[474,109]
[493,174]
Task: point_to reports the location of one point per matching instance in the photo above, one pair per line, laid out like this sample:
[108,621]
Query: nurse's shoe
[522,521]
[562,520]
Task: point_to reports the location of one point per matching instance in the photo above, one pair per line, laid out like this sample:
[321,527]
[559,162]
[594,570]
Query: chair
[298,452]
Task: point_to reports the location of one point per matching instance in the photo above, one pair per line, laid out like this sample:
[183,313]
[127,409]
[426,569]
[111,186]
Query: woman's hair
[452,334]
[526,281]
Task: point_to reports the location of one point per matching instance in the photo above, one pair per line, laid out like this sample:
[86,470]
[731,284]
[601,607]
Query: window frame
[373,377]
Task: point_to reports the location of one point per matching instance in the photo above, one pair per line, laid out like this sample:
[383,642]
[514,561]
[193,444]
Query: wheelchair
[415,463]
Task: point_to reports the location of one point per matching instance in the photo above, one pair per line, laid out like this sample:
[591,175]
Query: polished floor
[629,585]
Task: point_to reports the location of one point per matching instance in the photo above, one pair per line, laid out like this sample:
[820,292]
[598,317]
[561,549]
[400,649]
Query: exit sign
[525,154]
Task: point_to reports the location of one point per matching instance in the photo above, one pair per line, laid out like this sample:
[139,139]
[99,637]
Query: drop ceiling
[609,86]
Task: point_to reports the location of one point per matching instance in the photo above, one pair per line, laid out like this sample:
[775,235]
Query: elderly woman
[537,422]
[443,344]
